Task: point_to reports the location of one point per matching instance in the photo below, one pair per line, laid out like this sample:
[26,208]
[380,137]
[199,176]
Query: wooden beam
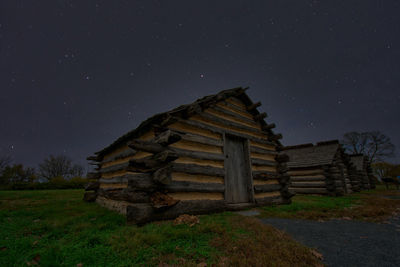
[163,175]
[275,137]
[232,114]
[260,116]
[264,175]
[123,154]
[200,139]
[197,169]
[185,186]
[126,194]
[197,154]
[218,130]
[167,137]
[267,188]
[262,162]
[308,184]
[114,168]
[260,150]
[254,106]
[147,146]
[268,127]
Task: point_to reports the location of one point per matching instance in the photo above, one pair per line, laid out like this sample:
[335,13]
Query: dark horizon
[75,76]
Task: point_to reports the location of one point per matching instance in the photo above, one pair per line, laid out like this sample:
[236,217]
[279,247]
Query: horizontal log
[201,139]
[263,162]
[144,213]
[141,181]
[260,116]
[268,127]
[163,175]
[307,178]
[275,137]
[147,146]
[218,130]
[197,154]
[264,175]
[228,123]
[232,114]
[308,184]
[309,190]
[126,194]
[114,168]
[185,186]
[123,154]
[168,137]
[260,150]
[198,169]
[253,106]
[267,188]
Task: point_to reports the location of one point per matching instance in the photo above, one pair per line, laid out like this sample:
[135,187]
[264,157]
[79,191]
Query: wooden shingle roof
[309,155]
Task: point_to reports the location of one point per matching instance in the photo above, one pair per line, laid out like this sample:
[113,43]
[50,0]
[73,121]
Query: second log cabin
[215,154]
[323,168]
[363,170]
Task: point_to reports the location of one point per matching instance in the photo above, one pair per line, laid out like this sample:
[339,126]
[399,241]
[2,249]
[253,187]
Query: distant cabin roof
[181,111]
[309,155]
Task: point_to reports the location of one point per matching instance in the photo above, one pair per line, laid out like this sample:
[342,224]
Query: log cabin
[212,155]
[323,168]
[363,170]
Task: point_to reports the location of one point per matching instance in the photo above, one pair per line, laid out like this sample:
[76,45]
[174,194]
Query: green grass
[57,228]
[65,231]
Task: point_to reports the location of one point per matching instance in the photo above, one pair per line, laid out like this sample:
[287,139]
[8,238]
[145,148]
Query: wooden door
[238,182]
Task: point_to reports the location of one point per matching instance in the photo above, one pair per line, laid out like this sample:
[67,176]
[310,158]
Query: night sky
[76,75]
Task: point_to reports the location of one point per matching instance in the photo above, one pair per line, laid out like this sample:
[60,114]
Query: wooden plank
[261,150]
[214,129]
[305,172]
[264,175]
[137,155]
[198,154]
[114,168]
[186,186]
[193,129]
[201,139]
[228,125]
[263,156]
[180,176]
[262,162]
[309,190]
[307,178]
[267,194]
[236,102]
[263,168]
[123,154]
[262,182]
[267,188]
[268,145]
[196,169]
[191,146]
[308,184]
[233,108]
[226,116]
[232,114]
[196,196]
[202,162]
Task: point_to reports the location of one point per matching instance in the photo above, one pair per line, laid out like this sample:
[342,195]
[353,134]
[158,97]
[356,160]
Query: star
[201,75]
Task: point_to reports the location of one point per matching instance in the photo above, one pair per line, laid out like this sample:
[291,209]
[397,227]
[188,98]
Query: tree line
[54,169]
[377,147]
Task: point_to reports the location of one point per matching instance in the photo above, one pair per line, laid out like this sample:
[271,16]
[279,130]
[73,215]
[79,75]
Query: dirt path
[347,243]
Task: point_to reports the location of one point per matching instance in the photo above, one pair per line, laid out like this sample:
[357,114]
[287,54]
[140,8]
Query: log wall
[184,163]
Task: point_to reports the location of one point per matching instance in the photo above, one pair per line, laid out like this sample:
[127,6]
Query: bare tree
[375,145]
[59,166]
[5,161]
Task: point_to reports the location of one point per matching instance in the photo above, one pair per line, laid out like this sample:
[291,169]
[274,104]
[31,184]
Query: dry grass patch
[257,244]
[373,205]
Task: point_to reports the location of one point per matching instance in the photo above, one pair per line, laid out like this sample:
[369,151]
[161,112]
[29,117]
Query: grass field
[56,228]
[372,205]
